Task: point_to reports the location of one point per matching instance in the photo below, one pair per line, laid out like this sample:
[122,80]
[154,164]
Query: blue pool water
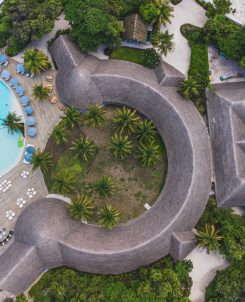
[10,153]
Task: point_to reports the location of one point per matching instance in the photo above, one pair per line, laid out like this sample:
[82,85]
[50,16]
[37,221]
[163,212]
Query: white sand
[204,268]
[188,11]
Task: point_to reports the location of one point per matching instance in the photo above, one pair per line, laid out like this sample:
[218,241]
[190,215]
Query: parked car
[226,76]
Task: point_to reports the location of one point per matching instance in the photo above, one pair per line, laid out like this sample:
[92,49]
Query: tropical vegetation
[163,41]
[13,122]
[40,92]
[43,160]
[159,12]
[145,131]
[95,116]
[83,148]
[165,280]
[150,58]
[23,21]
[148,154]
[109,217]
[120,146]
[71,117]
[81,208]
[36,61]
[189,88]
[209,238]
[63,182]
[100,164]
[125,121]
[198,73]
[228,284]
[60,134]
[104,187]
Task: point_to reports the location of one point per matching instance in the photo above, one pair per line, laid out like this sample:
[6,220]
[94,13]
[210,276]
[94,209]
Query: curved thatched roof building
[226,111]
[46,235]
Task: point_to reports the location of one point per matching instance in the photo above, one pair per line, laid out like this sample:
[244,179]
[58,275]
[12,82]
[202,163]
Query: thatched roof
[226,112]
[135,28]
[61,241]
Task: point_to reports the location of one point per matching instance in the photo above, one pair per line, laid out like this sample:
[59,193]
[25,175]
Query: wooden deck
[47,116]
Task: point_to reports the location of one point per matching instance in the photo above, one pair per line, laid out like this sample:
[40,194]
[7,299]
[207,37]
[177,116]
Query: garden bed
[135,185]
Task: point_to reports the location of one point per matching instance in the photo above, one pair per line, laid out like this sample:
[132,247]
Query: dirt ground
[134,184]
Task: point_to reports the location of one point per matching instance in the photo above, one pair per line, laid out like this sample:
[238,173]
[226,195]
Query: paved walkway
[204,269]
[188,11]
[47,115]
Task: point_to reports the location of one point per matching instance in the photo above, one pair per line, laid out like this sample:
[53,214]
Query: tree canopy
[96,22]
[23,21]
[163,281]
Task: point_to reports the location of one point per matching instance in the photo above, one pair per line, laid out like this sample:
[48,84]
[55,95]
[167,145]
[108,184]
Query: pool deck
[47,115]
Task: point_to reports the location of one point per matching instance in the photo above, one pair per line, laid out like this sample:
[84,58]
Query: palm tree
[125,120]
[120,146]
[63,182]
[83,148]
[109,217]
[35,60]
[165,12]
[72,117]
[43,160]
[94,116]
[60,134]
[189,88]
[145,131]
[164,42]
[81,208]
[13,123]
[40,92]
[148,154]
[104,186]
[209,238]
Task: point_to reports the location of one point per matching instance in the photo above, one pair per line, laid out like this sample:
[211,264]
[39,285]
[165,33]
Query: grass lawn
[127,54]
[135,185]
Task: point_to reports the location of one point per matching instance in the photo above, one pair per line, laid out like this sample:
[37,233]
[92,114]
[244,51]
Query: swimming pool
[10,153]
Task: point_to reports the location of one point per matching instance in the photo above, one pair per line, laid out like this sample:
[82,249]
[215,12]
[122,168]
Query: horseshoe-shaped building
[46,237]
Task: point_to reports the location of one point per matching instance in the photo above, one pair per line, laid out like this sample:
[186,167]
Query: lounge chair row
[8,237]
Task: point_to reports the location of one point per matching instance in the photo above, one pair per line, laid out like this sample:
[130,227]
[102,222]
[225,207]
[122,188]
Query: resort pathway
[47,115]
[187,11]
[204,269]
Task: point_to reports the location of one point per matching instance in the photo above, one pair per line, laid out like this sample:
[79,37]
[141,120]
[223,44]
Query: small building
[136,29]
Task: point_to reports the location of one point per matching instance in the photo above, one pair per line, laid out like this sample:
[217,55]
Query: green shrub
[230,226]
[228,285]
[149,11]
[13,47]
[164,280]
[199,65]
[150,58]
[228,36]
[21,298]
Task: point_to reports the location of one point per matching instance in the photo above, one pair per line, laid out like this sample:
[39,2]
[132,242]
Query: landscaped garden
[165,280]
[105,160]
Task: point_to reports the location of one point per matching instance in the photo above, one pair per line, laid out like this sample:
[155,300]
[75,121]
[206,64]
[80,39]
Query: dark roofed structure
[45,229]
[135,28]
[226,112]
